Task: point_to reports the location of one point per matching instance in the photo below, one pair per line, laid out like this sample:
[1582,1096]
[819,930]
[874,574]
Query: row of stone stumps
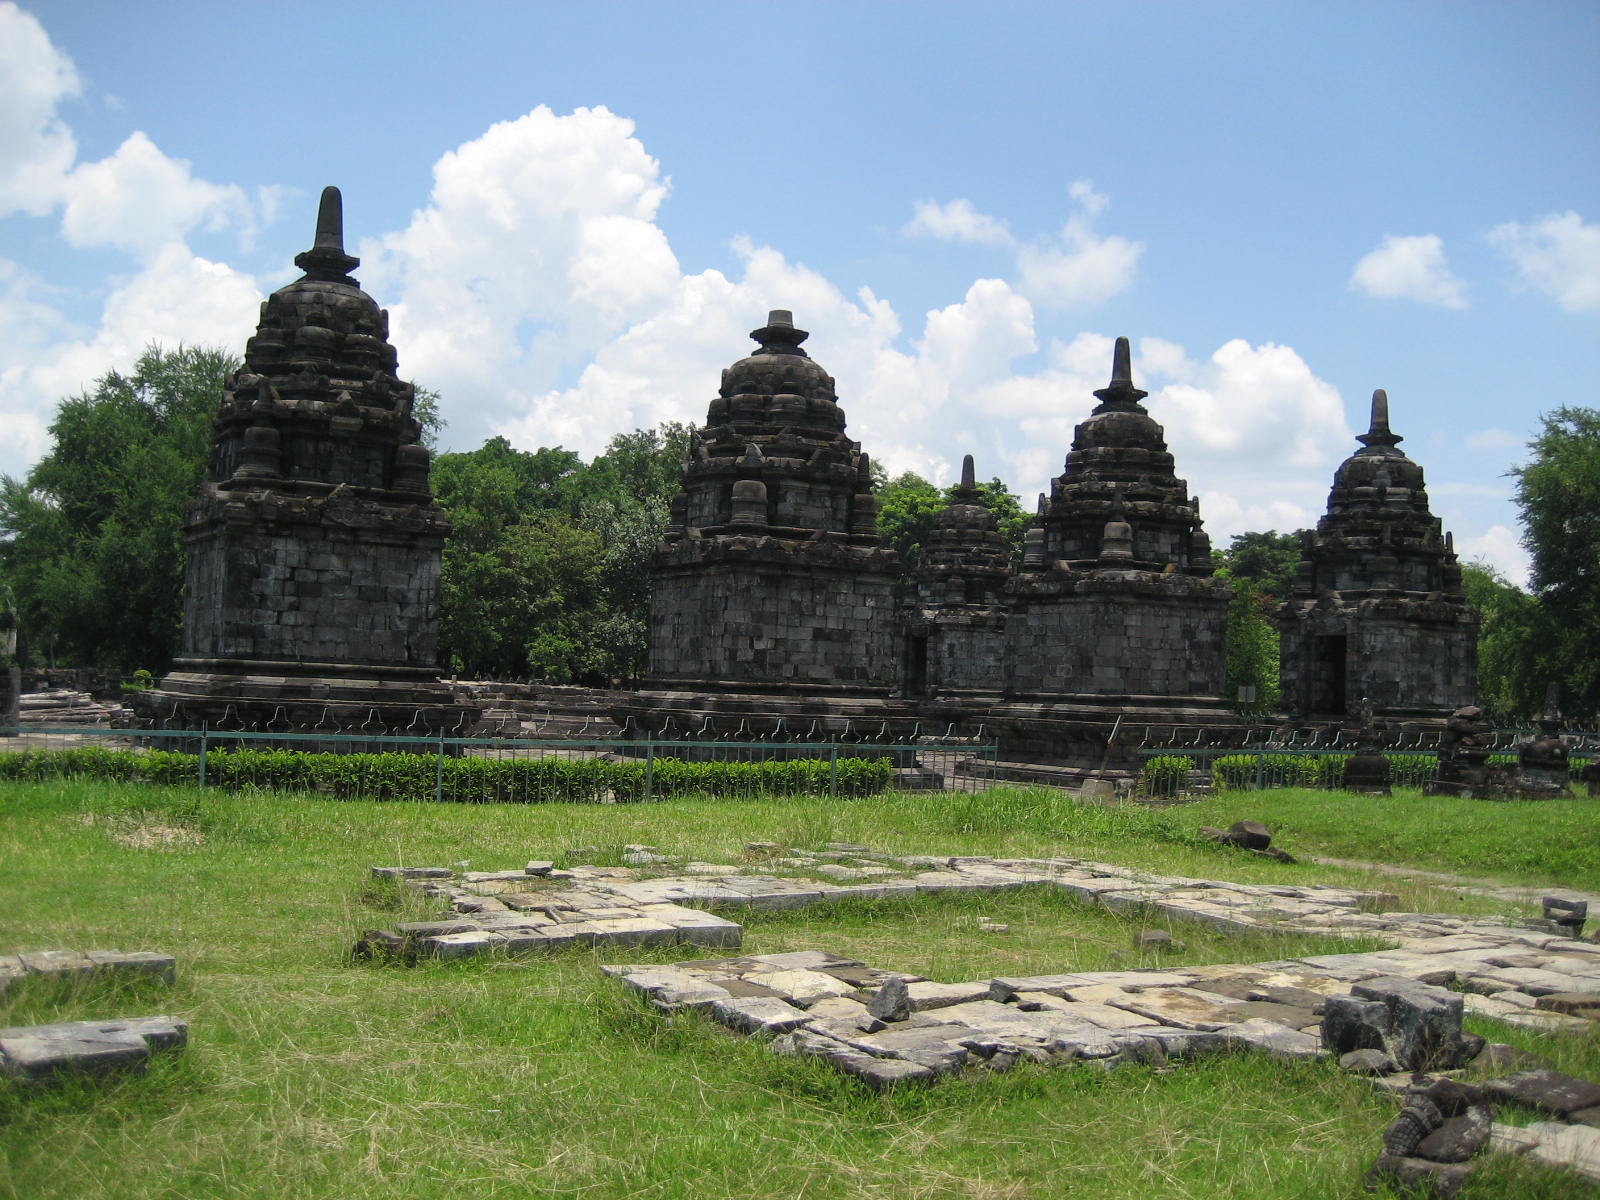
[33,1054]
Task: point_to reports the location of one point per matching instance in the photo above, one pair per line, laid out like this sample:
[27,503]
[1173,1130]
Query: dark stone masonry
[777,611]
[1115,617]
[312,590]
[955,624]
[1377,611]
[772,608]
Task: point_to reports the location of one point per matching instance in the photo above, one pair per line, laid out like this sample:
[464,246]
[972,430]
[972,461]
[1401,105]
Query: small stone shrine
[312,590]
[1542,768]
[1115,617]
[955,623]
[1377,609]
[771,587]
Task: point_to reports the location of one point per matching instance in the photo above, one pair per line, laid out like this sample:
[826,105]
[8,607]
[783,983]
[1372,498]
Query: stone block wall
[1117,634]
[352,582]
[1404,655]
[738,612]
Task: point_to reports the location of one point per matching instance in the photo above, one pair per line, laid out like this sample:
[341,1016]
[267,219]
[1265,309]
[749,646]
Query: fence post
[649,765]
[438,773]
[833,771]
[1261,771]
[202,754]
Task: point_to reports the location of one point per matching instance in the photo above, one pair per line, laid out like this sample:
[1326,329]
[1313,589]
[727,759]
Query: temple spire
[326,259]
[1120,392]
[1378,433]
[967,489]
[779,335]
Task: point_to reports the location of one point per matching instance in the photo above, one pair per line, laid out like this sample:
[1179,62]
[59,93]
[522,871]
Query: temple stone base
[334,698]
[1101,736]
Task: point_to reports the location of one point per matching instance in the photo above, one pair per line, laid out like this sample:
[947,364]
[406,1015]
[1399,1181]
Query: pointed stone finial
[326,259]
[967,490]
[779,335]
[1120,392]
[1378,433]
[330,221]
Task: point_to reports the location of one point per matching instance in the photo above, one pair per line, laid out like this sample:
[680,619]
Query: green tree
[1514,644]
[92,539]
[545,573]
[1558,494]
[1260,567]
[1268,560]
[908,506]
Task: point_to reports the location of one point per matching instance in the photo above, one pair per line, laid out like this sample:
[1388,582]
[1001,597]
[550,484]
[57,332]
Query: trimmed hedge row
[1240,771]
[459,780]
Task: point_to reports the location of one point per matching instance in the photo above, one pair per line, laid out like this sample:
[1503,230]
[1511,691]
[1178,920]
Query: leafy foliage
[1558,493]
[421,777]
[546,569]
[1260,567]
[92,540]
[908,506]
[1164,773]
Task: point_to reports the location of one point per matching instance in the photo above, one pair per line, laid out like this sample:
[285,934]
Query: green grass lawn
[310,1077]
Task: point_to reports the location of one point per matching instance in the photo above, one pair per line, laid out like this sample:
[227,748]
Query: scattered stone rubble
[59,706]
[41,1053]
[1385,1013]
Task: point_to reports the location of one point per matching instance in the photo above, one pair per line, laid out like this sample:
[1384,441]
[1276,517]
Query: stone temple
[312,587]
[1115,618]
[954,625]
[773,597]
[1377,612]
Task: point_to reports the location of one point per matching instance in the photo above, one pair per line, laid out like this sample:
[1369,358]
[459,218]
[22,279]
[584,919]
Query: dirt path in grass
[1481,887]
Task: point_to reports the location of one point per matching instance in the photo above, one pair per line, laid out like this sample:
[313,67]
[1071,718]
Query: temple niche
[1377,611]
[954,623]
[312,587]
[1116,622]
[771,584]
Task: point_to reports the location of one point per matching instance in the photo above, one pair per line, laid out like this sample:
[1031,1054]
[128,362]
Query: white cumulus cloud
[1559,255]
[537,247]
[141,200]
[36,147]
[1078,267]
[1409,268]
[956,221]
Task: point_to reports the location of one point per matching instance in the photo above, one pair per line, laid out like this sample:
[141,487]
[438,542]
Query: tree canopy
[544,573]
[1260,568]
[92,540]
[908,505]
[1558,494]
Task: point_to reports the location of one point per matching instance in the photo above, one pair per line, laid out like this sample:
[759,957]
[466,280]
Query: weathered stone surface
[1575,1147]
[1443,1180]
[928,994]
[1281,1041]
[1458,1138]
[878,1073]
[37,1053]
[761,1015]
[891,1002]
[1423,1023]
[1377,611]
[1367,1062]
[1550,1091]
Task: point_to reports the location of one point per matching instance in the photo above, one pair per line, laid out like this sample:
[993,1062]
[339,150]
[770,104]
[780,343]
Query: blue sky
[575,214]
